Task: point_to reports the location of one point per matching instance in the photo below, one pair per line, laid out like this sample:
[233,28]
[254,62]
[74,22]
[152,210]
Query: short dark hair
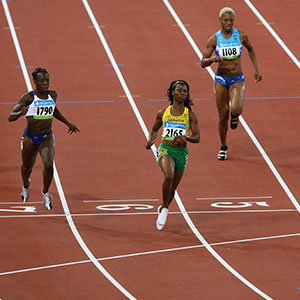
[38,70]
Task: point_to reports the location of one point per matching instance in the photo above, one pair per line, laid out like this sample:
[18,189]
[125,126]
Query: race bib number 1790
[44,109]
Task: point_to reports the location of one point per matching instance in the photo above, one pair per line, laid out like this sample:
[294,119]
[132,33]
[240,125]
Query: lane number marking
[23,209]
[115,207]
[241,204]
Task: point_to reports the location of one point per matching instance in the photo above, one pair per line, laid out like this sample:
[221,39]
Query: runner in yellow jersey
[180,125]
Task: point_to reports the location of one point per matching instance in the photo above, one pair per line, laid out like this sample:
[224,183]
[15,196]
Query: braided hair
[38,70]
[188,101]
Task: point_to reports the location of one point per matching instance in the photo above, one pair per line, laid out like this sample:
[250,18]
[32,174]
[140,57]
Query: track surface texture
[233,229]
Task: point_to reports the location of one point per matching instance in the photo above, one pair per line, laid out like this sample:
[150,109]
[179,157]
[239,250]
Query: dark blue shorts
[37,138]
[228,81]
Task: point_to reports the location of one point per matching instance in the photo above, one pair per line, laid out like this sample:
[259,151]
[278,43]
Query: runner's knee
[236,111]
[223,118]
[48,167]
[169,177]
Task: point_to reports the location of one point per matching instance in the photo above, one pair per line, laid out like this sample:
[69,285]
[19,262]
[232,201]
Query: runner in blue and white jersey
[39,108]
[229,79]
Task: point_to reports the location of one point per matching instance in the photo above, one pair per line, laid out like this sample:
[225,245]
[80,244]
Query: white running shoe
[47,201]
[25,192]
[162,217]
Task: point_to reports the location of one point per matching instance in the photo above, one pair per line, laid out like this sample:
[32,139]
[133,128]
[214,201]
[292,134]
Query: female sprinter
[38,107]
[229,80]
[177,121]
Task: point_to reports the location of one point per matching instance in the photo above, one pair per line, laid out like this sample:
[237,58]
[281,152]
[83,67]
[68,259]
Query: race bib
[230,52]
[171,130]
[44,109]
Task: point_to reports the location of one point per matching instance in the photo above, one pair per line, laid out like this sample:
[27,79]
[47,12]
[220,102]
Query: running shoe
[222,155]
[234,122]
[25,192]
[47,200]
[162,217]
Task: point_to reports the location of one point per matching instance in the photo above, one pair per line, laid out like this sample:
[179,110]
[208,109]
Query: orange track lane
[107,160]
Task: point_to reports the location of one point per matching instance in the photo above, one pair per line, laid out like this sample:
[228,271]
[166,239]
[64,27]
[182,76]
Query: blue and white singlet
[229,48]
[41,108]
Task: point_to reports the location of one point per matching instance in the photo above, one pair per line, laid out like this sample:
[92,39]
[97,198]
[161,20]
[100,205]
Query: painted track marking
[145,131]
[231,198]
[149,252]
[274,34]
[19,202]
[158,100]
[115,207]
[122,200]
[153,213]
[56,177]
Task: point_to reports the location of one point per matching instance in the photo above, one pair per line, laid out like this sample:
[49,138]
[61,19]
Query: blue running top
[229,48]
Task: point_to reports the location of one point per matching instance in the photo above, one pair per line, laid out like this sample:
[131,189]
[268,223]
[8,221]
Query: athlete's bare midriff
[38,126]
[230,68]
[171,143]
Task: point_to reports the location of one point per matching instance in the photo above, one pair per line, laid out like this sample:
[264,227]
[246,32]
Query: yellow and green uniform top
[175,125]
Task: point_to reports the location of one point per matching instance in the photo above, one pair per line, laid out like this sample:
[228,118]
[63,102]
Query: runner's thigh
[29,151]
[222,98]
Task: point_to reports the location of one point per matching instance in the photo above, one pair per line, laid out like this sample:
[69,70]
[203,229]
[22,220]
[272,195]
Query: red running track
[107,160]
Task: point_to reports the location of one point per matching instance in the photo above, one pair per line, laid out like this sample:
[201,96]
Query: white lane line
[243,122]
[116,68]
[45,267]
[56,177]
[17,45]
[18,210]
[271,166]
[214,253]
[152,213]
[274,34]
[20,203]
[118,73]
[129,200]
[241,211]
[231,198]
[144,128]
[82,243]
[150,252]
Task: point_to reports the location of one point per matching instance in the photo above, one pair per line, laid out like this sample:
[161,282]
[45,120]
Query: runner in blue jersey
[229,79]
[39,108]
